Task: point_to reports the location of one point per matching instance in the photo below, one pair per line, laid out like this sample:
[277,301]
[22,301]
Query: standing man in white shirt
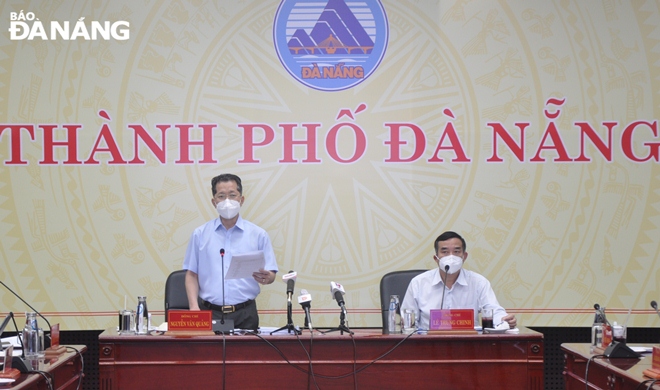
[234,235]
[464,289]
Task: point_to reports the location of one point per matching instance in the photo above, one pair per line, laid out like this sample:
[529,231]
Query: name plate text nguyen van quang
[461,320]
[184,320]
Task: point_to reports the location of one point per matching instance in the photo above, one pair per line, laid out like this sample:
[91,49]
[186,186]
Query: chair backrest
[394,283]
[175,292]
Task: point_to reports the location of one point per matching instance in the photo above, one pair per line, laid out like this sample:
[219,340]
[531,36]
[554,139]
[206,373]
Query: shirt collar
[462,279]
[239,224]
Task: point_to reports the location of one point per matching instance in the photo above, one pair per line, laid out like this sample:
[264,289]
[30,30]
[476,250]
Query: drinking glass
[486,318]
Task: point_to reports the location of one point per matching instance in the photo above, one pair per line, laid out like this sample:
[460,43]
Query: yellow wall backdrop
[556,220]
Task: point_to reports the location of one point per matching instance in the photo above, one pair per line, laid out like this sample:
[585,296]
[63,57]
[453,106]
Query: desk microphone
[28,305]
[615,349]
[338,292]
[305,300]
[654,305]
[444,288]
[601,312]
[290,280]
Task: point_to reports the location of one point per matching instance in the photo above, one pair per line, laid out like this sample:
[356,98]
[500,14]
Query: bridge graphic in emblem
[330,46]
[336,31]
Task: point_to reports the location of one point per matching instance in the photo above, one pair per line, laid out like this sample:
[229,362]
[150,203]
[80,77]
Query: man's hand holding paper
[246,265]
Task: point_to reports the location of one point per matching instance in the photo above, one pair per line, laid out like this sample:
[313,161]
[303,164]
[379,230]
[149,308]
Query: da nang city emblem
[332,45]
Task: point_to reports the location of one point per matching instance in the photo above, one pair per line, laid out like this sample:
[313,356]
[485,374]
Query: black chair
[175,292]
[394,283]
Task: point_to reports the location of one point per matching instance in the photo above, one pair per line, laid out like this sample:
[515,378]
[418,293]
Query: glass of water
[409,321]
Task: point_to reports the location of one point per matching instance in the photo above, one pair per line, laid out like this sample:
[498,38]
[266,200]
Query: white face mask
[228,208]
[455,263]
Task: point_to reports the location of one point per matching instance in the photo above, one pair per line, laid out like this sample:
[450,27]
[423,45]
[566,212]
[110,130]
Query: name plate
[8,372]
[55,336]
[452,319]
[55,349]
[189,320]
[654,371]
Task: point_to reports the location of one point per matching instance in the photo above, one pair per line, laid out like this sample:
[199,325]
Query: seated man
[465,289]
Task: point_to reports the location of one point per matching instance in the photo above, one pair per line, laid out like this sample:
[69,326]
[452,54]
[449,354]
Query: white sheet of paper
[13,340]
[244,264]
[14,352]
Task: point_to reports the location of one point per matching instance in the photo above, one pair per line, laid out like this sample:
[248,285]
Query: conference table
[66,371]
[367,359]
[604,373]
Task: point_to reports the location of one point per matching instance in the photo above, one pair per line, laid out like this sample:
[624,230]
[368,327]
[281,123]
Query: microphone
[28,305]
[601,312]
[655,306]
[290,280]
[338,292]
[444,288]
[305,300]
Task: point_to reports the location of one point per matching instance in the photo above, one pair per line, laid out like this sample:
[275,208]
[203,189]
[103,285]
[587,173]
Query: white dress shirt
[203,258]
[470,291]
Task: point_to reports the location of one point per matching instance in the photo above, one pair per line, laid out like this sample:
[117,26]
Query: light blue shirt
[203,258]
[470,291]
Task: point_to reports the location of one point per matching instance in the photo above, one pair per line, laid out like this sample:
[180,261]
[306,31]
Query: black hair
[224,178]
[448,236]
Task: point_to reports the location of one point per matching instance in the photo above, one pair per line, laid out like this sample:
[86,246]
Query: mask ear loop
[445,280]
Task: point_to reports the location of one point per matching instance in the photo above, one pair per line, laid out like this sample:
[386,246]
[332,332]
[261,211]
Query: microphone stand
[28,305]
[225,326]
[342,323]
[19,362]
[47,336]
[308,324]
[444,286]
[290,328]
[654,305]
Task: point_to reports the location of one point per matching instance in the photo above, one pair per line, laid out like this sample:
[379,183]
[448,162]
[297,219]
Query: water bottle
[31,343]
[394,318]
[142,316]
[597,329]
[597,335]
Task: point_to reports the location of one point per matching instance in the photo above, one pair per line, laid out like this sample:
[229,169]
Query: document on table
[244,264]
[13,340]
[15,352]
